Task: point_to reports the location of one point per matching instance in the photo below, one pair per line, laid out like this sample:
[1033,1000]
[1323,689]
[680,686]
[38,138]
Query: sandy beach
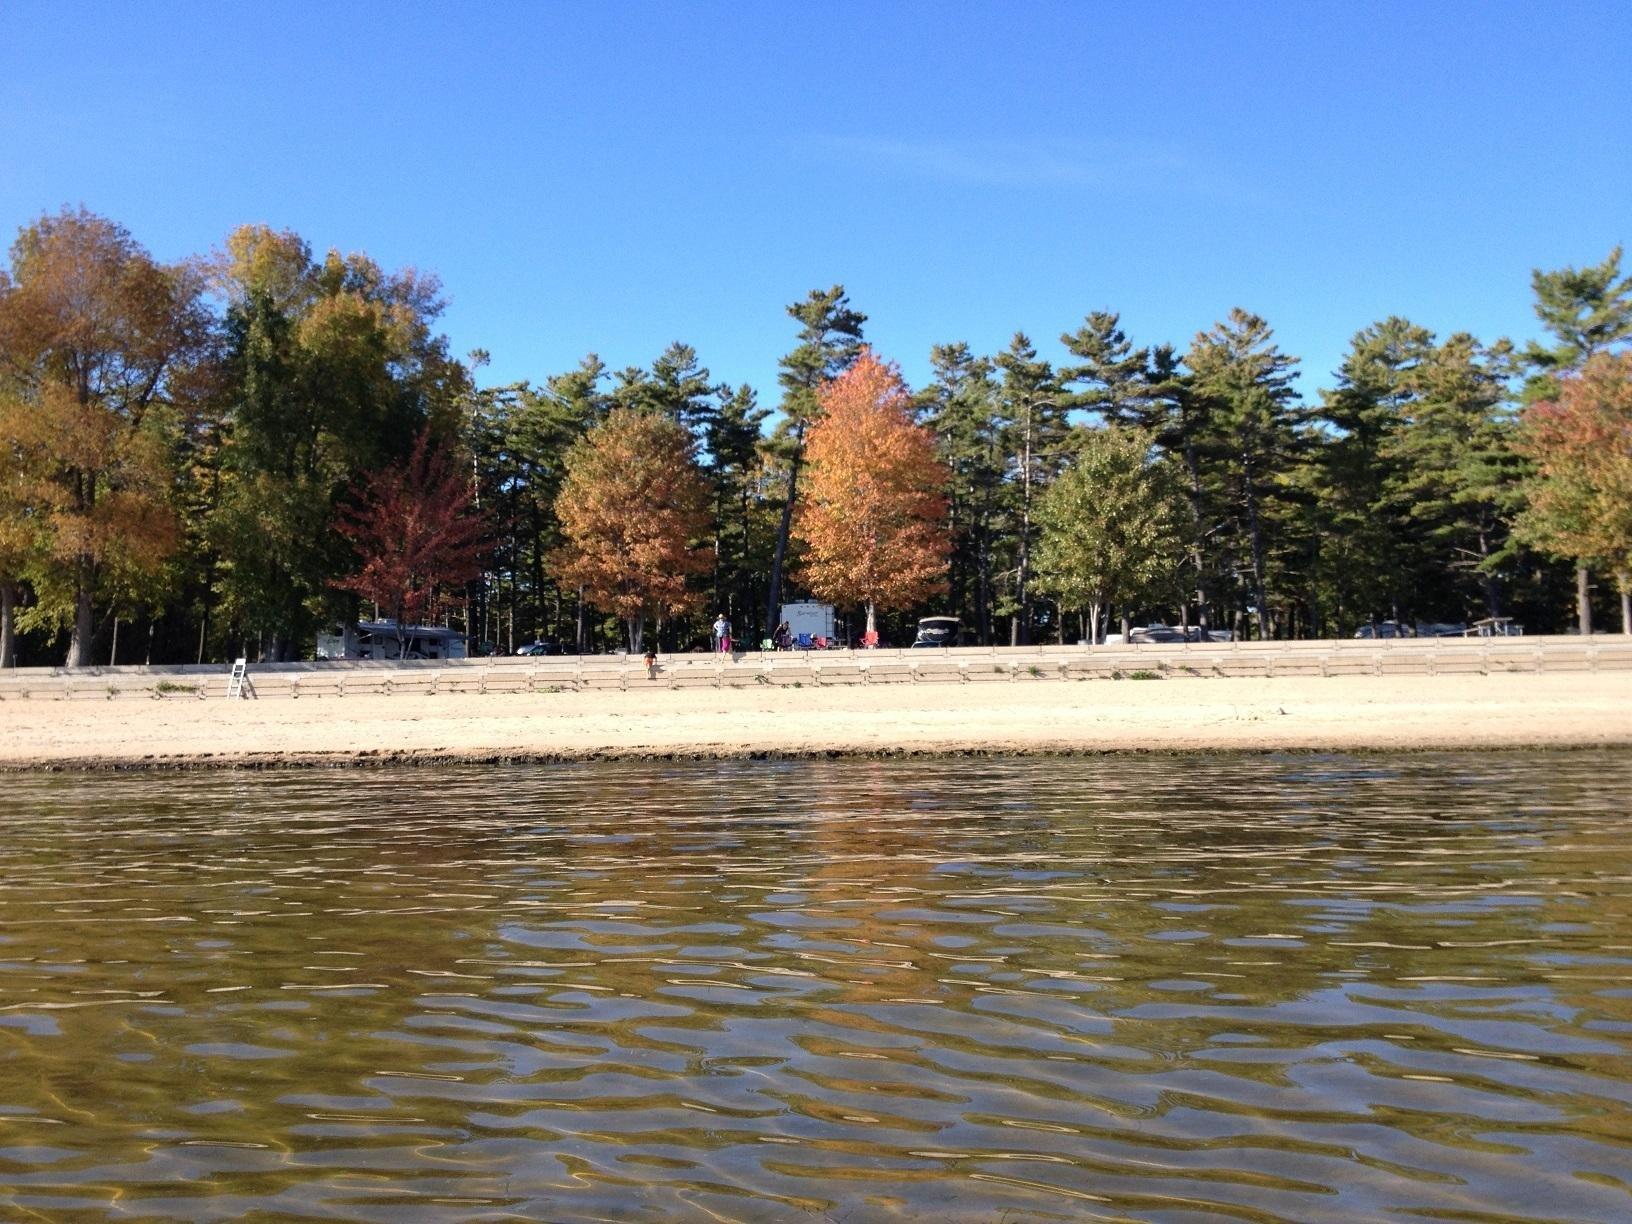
[1178,714]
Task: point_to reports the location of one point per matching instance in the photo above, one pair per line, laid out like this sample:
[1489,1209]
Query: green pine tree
[1370,557]
[1244,383]
[960,408]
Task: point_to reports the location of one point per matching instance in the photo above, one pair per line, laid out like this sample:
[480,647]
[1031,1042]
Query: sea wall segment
[823,669]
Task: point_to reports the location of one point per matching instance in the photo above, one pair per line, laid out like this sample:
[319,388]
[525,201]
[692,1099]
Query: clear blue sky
[612,177]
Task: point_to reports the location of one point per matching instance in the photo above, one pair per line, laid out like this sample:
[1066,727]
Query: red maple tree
[416,531]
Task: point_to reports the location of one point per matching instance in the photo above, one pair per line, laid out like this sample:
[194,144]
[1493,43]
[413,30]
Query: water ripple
[1297,988]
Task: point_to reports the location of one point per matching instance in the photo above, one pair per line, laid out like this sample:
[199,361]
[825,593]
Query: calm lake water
[1261,988]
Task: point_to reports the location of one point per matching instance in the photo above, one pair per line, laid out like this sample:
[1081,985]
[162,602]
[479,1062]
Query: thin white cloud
[1024,162]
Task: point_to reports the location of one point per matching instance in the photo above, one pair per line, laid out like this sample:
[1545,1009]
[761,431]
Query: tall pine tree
[1034,412]
[1245,382]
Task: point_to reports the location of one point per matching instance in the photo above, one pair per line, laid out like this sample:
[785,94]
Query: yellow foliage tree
[95,341]
[18,529]
[632,507]
[873,520]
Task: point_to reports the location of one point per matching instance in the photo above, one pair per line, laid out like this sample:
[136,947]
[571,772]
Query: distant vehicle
[1383,629]
[807,621]
[382,640]
[1156,633]
[1495,626]
[938,631]
[1150,635]
[1422,629]
[542,647]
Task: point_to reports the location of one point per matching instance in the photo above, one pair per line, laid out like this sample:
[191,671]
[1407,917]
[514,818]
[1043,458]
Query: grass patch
[1144,675]
[1034,670]
[170,686]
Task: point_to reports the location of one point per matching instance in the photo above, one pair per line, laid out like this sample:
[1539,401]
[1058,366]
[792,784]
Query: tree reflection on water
[1271,987]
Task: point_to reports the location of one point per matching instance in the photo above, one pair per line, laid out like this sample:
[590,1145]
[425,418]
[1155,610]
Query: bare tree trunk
[983,588]
[983,567]
[8,623]
[1626,608]
[1493,595]
[1093,624]
[744,570]
[1266,628]
[113,650]
[1583,601]
[79,645]
[773,597]
[1020,625]
[1192,465]
[538,573]
[1314,585]
[719,531]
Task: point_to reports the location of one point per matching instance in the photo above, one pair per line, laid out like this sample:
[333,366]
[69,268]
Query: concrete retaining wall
[966,665]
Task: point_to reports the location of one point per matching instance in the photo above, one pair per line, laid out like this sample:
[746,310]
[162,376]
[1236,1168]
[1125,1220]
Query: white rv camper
[380,640]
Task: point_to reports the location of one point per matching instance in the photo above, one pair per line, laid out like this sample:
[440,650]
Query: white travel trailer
[380,640]
[812,619]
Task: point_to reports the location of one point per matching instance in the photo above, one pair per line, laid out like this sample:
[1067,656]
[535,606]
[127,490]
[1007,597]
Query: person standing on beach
[722,634]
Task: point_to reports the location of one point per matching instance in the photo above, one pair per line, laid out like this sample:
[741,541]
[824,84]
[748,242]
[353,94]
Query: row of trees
[234,451]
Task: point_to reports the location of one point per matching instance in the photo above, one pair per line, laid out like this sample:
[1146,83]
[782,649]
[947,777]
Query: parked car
[543,647]
[1422,629]
[938,631]
[1142,635]
[1156,633]
[1383,629]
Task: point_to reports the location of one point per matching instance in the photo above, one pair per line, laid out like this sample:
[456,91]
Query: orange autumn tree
[873,520]
[632,506]
[1580,496]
